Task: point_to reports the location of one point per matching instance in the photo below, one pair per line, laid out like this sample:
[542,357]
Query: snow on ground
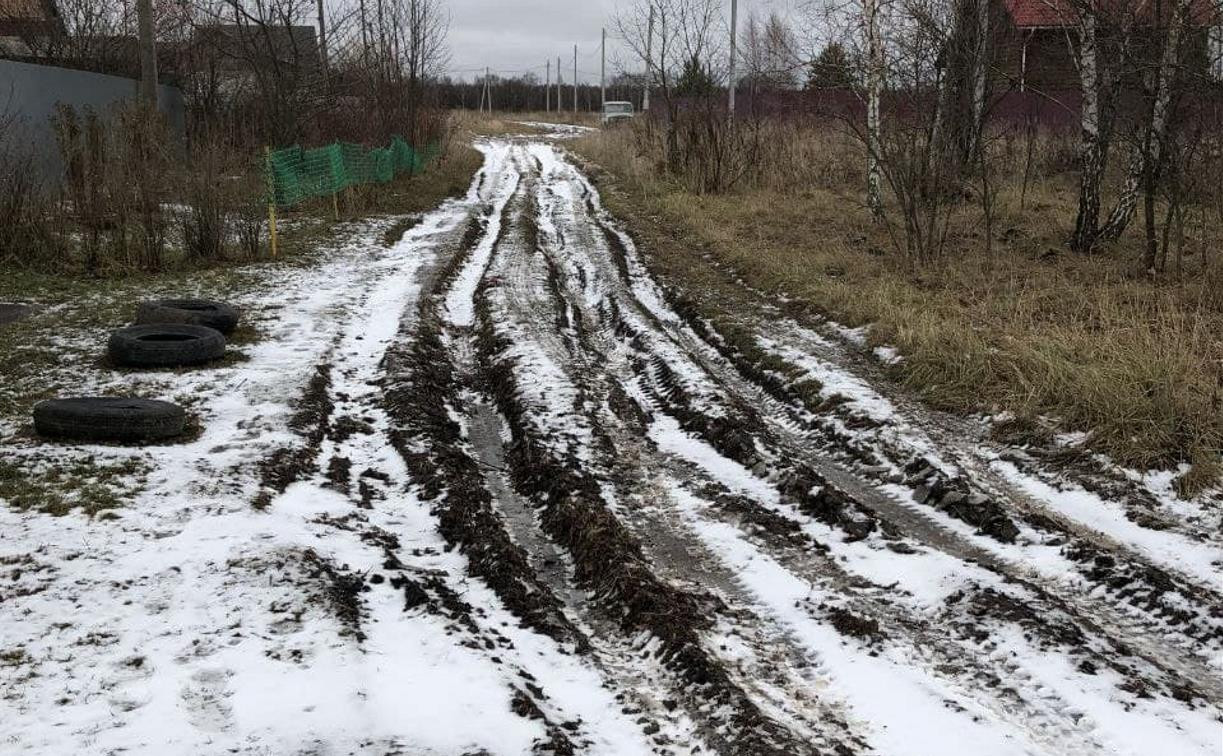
[1201,561]
[459,308]
[558,130]
[193,623]
[904,707]
[1197,558]
[835,382]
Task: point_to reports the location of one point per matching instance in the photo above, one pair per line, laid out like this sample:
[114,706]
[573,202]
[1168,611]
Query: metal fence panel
[30,93]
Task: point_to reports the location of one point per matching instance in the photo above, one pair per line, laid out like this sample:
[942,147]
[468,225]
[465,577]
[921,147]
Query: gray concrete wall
[30,93]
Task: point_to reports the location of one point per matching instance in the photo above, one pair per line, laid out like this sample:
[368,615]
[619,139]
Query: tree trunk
[1148,152]
[874,86]
[980,70]
[1152,250]
[1091,148]
[148,53]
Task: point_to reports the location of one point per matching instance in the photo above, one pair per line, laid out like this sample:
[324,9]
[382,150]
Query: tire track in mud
[686,560]
[795,438]
[635,609]
[961,440]
[951,476]
[909,519]
[630,458]
[1152,609]
[406,395]
[451,438]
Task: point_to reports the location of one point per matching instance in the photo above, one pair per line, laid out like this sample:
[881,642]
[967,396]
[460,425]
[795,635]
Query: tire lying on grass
[165,345]
[123,420]
[202,312]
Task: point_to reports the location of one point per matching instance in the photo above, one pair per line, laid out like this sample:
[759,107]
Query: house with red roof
[1039,37]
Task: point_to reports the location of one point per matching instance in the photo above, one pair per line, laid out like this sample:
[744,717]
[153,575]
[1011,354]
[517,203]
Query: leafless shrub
[711,154]
[117,175]
[204,231]
[250,219]
[205,226]
[29,238]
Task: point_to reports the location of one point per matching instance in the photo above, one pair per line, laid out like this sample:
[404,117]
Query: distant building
[238,50]
[28,27]
[1041,35]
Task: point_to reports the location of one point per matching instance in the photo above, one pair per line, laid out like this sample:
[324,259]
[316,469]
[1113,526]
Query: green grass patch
[58,488]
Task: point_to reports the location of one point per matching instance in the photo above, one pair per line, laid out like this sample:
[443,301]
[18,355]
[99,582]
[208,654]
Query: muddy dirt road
[533,503]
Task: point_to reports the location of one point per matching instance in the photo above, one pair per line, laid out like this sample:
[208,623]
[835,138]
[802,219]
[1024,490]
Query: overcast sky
[516,36]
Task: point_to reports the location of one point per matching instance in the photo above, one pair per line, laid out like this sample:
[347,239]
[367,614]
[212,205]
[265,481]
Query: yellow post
[335,204]
[272,226]
[267,154]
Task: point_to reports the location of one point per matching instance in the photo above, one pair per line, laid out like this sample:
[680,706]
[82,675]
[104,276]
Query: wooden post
[267,156]
[148,53]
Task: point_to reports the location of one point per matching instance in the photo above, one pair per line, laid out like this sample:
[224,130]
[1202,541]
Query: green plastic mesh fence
[296,174]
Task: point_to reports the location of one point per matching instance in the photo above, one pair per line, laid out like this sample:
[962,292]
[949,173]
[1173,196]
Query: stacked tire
[165,346]
[196,312]
[169,333]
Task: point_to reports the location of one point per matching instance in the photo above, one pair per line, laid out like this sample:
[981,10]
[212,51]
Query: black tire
[203,312]
[169,345]
[109,419]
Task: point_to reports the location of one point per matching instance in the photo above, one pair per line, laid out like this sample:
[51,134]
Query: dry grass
[1031,329]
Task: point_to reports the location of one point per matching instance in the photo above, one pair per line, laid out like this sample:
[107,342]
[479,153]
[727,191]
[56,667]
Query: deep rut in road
[743,565]
[744,573]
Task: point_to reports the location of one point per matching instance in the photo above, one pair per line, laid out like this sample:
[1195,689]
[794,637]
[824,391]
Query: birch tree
[1148,152]
[980,73]
[1091,142]
[874,92]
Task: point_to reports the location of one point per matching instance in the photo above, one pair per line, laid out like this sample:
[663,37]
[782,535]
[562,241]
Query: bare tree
[923,62]
[684,32]
[770,54]
[422,28]
[874,94]
[1148,149]
[1101,42]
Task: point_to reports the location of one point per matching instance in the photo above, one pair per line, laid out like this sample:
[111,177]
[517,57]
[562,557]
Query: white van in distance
[614,112]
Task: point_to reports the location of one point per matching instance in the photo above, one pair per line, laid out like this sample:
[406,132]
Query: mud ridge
[932,487]
[287,465]
[419,387]
[342,589]
[732,437]
[608,559]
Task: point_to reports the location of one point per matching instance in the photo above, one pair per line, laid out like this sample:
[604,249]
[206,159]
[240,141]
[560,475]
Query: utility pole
[364,37]
[322,38]
[575,83]
[486,93]
[148,53]
[548,89]
[559,99]
[734,54]
[382,62]
[603,73]
[649,62]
